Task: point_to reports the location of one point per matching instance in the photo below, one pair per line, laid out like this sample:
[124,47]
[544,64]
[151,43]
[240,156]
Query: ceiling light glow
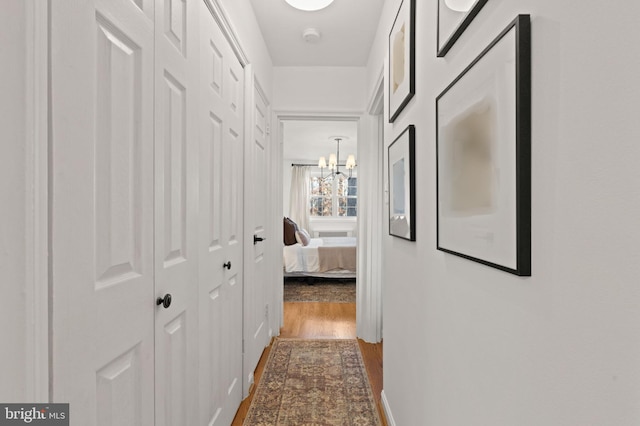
[459,5]
[309,5]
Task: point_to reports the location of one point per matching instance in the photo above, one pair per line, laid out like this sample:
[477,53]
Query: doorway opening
[319,258]
[370,200]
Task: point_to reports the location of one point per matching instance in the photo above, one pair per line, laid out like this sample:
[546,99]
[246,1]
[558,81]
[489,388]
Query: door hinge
[267,130]
[243,346]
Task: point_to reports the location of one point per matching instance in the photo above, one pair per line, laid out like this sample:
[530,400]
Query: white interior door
[176,211]
[256,309]
[102,210]
[221,234]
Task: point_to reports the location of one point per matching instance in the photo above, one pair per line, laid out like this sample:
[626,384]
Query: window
[336,197]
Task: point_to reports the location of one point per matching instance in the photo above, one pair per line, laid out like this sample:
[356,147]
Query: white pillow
[303,237]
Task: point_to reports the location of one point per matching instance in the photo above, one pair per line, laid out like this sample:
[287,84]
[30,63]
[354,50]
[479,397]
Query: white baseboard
[387,410]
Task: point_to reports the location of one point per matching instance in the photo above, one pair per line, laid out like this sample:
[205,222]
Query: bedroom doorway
[319,261]
[366,226]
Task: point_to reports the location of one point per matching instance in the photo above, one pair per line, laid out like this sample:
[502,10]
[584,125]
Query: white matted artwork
[402,191]
[402,59]
[484,156]
[454,16]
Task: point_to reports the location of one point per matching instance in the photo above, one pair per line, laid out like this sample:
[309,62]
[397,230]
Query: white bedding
[298,258]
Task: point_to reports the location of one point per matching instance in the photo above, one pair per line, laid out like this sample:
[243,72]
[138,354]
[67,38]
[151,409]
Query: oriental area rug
[313,382]
[331,291]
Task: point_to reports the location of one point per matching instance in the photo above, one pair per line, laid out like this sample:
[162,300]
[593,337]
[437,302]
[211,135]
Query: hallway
[308,320]
[141,161]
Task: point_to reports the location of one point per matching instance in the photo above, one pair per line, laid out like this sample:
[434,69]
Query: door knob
[227,265]
[164,301]
[257,239]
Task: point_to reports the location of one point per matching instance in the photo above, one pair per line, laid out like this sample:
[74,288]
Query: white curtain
[299,200]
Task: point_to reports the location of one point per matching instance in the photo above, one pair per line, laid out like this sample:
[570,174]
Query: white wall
[319,89]
[324,90]
[466,344]
[13,228]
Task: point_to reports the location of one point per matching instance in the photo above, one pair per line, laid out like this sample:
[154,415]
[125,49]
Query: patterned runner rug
[313,382]
[332,291]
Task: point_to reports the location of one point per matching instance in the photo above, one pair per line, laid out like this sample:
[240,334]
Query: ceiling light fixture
[309,5]
[334,161]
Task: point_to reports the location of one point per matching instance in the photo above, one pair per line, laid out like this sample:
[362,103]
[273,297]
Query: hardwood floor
[306,320]
[372,357]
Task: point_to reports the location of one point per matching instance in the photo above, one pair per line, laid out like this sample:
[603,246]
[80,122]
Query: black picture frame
[444,44]
[488,229]
[401,157]
[401,73]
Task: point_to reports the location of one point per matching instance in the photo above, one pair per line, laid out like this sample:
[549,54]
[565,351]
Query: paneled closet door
[256,312]
[221,212]
[102,210]
[176,212]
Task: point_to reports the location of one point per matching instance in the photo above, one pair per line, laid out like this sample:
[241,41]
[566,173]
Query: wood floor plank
[309,320]
[244,406]
[372,357]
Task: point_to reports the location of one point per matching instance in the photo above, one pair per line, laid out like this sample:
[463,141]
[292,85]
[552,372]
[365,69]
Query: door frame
[37,201]
[368,293]
[221,18]
[370,255]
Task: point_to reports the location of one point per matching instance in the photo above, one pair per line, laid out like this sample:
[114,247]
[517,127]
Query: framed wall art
[402,185]
[483,140]
[454,16]
[402,59]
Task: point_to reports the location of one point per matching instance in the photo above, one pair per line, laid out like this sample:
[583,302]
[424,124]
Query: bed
[329,257]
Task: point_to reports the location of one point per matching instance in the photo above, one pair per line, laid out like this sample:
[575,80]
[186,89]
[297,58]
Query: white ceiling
[347,28]
[309,140]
